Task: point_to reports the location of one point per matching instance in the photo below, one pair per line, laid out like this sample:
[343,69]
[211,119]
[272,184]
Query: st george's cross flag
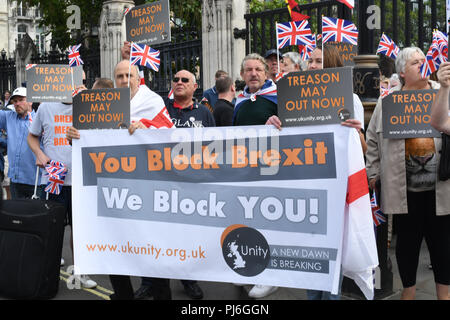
[143,55]
[294,33]
[388,47]
[359,250]
[74,56]
[339,30]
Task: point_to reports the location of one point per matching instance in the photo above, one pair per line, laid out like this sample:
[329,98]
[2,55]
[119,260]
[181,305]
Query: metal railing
[260,27]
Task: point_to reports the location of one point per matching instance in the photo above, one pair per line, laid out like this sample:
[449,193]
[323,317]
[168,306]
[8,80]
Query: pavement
[228,291]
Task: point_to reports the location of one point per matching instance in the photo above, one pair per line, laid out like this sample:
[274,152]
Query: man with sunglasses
[183,109]
[185,112]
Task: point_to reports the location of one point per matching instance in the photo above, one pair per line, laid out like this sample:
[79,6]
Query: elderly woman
[410,188]
[292,62]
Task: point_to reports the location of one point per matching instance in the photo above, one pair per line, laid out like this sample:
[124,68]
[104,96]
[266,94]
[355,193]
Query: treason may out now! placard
[101,109]
[407,114]
[316,97]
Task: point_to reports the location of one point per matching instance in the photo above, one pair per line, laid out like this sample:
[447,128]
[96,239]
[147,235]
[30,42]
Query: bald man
[147,108]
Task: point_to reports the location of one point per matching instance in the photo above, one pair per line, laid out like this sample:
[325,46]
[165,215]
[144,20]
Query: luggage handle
[35,196]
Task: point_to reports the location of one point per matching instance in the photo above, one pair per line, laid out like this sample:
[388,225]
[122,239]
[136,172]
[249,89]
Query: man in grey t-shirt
[50,125]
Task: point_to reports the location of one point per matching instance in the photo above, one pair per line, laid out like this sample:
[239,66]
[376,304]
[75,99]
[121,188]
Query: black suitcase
[31,240]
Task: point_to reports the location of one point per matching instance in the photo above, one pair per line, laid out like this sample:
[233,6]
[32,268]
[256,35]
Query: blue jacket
[22,162]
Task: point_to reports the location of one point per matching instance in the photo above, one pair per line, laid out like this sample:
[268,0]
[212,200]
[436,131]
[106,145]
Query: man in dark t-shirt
[223,109]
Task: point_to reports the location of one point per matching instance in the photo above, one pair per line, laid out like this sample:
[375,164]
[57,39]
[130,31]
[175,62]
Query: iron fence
[260,27]
[7,74]
[185,55]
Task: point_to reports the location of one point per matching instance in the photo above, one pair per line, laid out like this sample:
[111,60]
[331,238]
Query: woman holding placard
[410,188]
[330,58]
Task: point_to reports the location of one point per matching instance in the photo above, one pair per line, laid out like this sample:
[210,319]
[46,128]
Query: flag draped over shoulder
[155,117]
[359,251]
[268,91]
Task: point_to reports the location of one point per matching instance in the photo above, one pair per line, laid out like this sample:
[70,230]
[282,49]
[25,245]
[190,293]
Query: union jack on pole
[294,33]
[74,56]
[30,66]
[339,30]
[377,214]
[388,47]
[145,56]
[56,172]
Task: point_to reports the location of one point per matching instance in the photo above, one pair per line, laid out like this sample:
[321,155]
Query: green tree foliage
[54,19]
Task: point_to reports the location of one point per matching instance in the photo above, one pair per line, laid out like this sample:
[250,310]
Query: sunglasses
[184,80]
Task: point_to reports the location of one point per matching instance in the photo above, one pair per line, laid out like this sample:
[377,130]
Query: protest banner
[149,23]
[52,82]
[224,204]
[315,97]
[101,109]
[347,52]
[407,114]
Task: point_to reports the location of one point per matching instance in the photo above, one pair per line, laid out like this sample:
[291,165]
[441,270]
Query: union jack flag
[306,50]
[388,47]
[432,61]
[74,56]
[29,66]
[294,33]
[441,41]
[145,56]
[339,30]
[56,172]
[377,214]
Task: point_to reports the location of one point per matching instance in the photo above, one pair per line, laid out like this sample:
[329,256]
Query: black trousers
[421,222]
[123,290]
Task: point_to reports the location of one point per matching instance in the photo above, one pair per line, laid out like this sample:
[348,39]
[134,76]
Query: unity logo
[245,250]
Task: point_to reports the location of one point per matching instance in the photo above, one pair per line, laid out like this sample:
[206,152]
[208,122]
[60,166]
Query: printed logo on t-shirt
[62,122]
[191,123]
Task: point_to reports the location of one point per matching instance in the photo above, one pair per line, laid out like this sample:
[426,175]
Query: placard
[316,97]
[52,82]
[149,24]
[347,52]
[407,114]
[101,109]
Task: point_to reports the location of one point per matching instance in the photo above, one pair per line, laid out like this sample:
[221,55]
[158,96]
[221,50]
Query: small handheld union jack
[74,56]
[339,30]
[294,33]
[145,56]
[388,47]
[56,172]
[377,214]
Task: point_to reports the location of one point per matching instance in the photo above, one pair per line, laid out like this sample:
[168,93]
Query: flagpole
[322,42]
[278,52]
[129,66]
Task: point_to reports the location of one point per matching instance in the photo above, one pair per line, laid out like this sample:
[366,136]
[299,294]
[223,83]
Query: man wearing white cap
[22,169]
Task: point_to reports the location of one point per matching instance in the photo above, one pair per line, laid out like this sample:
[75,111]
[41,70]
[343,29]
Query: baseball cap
[273,52]
[21,91]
